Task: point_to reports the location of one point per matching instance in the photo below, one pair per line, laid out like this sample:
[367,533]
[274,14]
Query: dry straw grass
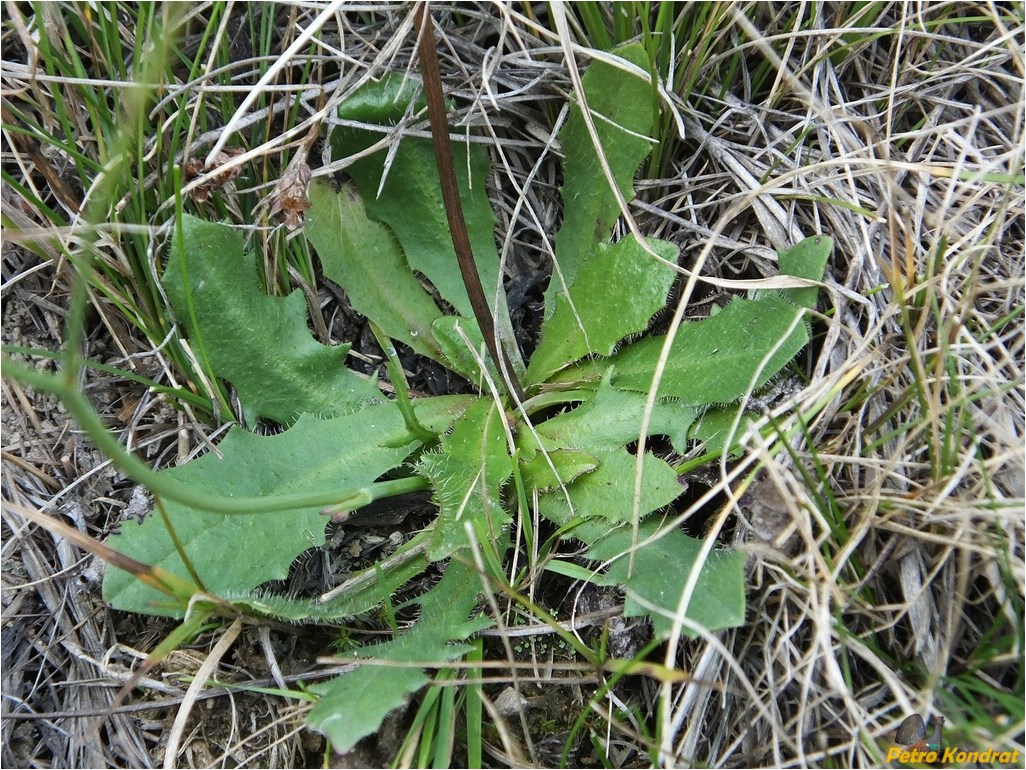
[896,471]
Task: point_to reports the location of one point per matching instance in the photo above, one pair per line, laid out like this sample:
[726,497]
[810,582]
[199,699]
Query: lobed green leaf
[467,474]
[806,259]
[612,418]
[363,597]
[714,427]
[604,498]
[720,358]
[354,704]
[363,257]
[547,471]
[623,111]
[237,553]
[661,571]
[409,200]
[260,344]
[616,292]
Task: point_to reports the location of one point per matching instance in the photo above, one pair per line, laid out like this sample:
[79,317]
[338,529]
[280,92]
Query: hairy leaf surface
[364,258]
[377,588]
[260,344]
[409,200]
[354,704]
[236,553]
[467,474]
[606,494]
[612,418]
[623,112]
[616,292]
[720,358]
[661,571]
[548,471]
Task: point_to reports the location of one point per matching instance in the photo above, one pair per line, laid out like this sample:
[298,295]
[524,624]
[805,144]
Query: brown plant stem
[451,197]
